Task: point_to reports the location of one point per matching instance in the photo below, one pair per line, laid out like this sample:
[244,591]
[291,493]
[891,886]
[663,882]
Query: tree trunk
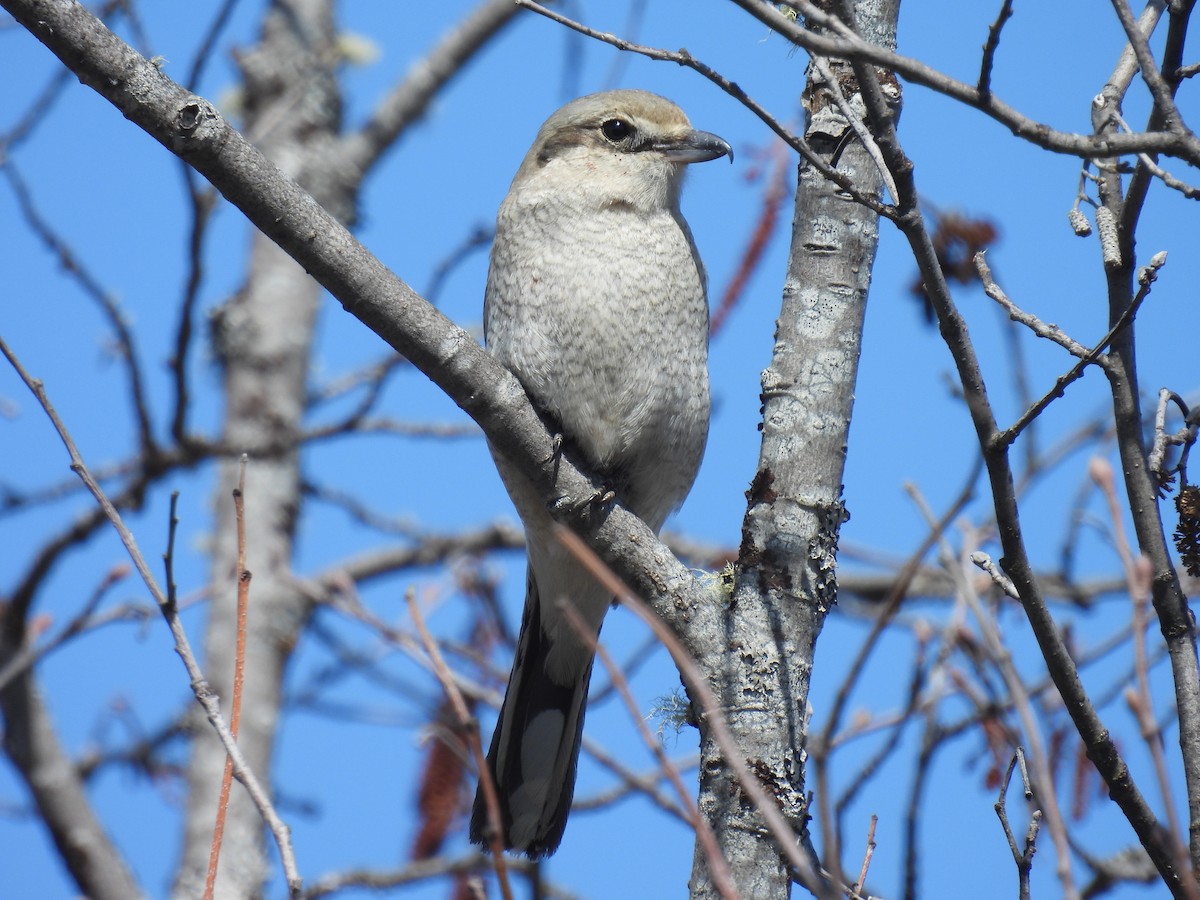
[786,579]
[263,336]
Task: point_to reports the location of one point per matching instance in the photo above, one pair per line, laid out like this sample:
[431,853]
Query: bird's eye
[616,130]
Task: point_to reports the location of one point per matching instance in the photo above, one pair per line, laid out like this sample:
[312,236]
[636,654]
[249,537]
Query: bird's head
[625,146]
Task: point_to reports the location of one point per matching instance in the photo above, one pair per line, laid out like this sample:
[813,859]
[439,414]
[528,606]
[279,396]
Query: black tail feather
[533,820]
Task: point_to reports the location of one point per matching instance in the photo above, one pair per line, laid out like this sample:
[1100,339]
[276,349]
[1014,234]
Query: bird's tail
[535,748]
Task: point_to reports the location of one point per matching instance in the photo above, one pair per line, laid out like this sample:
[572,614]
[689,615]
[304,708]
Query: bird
[596,301]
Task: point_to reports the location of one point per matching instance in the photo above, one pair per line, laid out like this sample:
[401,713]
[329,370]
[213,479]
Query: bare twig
[866,863]
[984,85]
[1164,99]
[471,728]
[85,620]
[854,120]
[38,110]
[203,201]
[438,430]
[239,669]
[629,782]
[846,45]
[362,149]
[1022,857]
[204,52]
[1175,184]
[1050,332]
[90,285]
[1127,64]
[1002,581]
[478,239]
[1148,275]
[1001,658]
[1185,437]
[424,870]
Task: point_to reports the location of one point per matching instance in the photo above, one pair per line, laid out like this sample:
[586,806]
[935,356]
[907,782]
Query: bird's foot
[598,497]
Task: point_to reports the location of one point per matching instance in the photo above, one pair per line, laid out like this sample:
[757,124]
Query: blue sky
[116,196]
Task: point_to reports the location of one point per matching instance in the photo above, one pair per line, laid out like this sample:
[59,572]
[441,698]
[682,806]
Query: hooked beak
[695,146]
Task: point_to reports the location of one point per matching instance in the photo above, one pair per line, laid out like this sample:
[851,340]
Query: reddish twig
[239,670]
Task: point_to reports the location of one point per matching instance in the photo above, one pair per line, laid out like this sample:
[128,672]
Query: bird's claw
[597,497]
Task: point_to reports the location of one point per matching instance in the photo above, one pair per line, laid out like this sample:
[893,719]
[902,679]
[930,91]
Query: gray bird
[596,302]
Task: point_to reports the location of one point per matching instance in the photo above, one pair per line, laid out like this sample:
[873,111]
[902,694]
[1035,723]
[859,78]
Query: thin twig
[1139,573]
[479,238]
[1000,657]
[203,201]
[239,669]
[470,728]
[1146,278]
[1185,437]
[1023,858]
[1189,191]
[87,619]
[359,151]
[855,122]
[630,782]
[1127,64]
[71,263]
[847,45]
[870,851]
[438,867]
[1164,99]
[204,53]
[984,86]
[1002,581]
[1049,332]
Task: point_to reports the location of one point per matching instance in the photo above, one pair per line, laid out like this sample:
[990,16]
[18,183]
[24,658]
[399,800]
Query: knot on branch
[193,115]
